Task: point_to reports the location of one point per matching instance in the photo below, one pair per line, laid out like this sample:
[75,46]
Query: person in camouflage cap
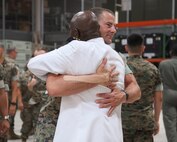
[141,118]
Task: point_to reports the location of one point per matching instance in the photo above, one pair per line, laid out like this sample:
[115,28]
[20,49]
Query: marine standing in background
[27,114]
[12,80]
[11,57]
[141,119]
[36,98]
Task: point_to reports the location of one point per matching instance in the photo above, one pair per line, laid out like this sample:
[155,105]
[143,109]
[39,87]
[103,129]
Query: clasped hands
[115,97]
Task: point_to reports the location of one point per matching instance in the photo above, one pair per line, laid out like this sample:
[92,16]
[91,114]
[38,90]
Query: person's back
[83,104]
[169,73]
[168,70]
[138,118]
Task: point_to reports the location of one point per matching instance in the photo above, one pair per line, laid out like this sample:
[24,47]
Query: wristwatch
[126,94]
[6,117]
[13,103]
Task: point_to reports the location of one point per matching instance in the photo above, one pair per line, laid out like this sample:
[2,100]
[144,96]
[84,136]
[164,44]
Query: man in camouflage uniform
[47,120]
[139,120]
[36,89]
[11,57]
[11,79]
[4,122]
[26,114]
[31,112]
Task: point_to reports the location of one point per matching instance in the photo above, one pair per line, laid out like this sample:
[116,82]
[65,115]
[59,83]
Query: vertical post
[127,6]
[64,6]
[82,5]
[116,17]
[173,14]
[38,21]
[127,29]
[3,22]
[93,3]
[42,22]
[33,16]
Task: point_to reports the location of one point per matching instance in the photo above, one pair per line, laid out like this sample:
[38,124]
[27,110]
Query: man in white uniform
[80,119]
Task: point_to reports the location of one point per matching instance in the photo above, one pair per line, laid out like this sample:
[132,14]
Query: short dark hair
[84,26]
[99,10]
[173,50]
[134,42]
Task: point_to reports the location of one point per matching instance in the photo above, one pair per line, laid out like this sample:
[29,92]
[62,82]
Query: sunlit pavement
[161,137]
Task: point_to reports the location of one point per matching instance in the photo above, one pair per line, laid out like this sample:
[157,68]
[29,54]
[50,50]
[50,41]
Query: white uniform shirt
[80,119]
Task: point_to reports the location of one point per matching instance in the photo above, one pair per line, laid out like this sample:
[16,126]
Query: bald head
[84,25]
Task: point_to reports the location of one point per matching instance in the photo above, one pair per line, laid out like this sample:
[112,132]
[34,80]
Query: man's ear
[75,33]
[126,48]
[143,48]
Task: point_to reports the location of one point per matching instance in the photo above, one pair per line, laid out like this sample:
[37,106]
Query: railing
[164,27]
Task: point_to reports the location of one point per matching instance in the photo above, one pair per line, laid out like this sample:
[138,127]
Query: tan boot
[12,135]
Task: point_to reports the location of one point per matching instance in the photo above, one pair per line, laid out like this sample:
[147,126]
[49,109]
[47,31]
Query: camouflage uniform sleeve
[2,84]
[40,85]
[159,87]
[39,90]
[15,76]
[127,69]
[159,84]
[1,78]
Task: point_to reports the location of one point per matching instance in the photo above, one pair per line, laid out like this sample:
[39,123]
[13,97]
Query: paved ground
[161,137]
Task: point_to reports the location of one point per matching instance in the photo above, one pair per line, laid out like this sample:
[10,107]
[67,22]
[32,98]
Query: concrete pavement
[161,137]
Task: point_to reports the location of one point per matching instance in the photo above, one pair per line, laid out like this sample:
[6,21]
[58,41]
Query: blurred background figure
[11,79]
[34,99]
[4,117]
[168,70]
[12,53]
[11,57]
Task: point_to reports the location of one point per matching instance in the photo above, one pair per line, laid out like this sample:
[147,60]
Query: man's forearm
[93,78]
[57,86]
[14,91]
[157,104]
[4,102]
[132,88]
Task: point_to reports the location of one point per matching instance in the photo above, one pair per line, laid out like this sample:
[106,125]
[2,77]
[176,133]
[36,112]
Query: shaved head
[84,26]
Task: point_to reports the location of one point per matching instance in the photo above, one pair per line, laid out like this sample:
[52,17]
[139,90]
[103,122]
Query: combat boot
[12,135]
[24,137]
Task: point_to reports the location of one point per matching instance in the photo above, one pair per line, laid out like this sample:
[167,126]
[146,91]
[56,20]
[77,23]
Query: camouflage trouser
[47,121]
[11,118]
[29,117]
[137,136]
